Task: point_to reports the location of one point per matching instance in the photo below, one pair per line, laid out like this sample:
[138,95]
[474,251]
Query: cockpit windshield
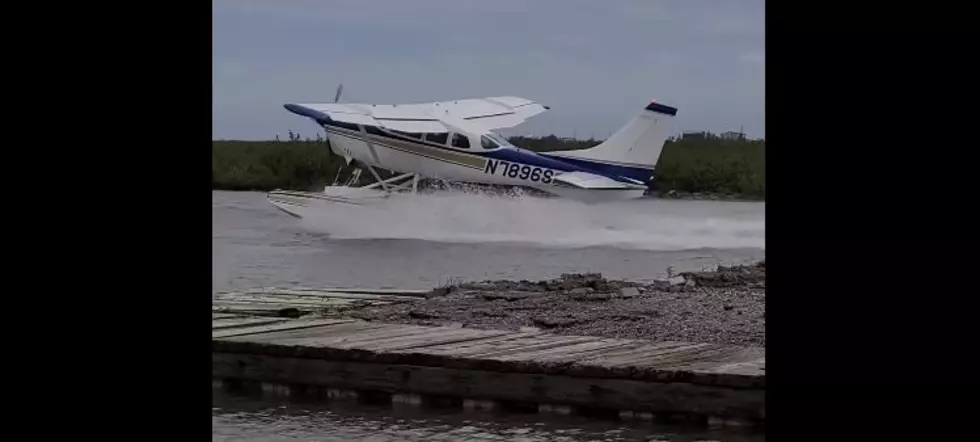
[491,140]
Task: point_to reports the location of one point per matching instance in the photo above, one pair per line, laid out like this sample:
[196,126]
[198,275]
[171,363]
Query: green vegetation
[700,164]
[735,168]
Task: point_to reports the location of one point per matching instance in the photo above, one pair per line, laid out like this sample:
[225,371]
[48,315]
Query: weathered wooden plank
[573,352]
[419,342]
[242,308]
[394,335]
[285,300]
[414,293]
[224,323]
[656,397]
[278,326]
[689,360]
[647,355]
[469,348]
[326,294]
[746,361]
[224,315]
[533,344]
[314,337]
[528,352]
[624,356]
[683,358]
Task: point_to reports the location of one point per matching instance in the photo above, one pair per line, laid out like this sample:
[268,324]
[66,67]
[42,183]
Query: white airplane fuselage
[486,158]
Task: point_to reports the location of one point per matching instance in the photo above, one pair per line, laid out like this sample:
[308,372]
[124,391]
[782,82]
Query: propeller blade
[340,89]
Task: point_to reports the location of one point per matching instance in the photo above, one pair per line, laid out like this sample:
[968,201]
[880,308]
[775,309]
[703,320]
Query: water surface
[427,241]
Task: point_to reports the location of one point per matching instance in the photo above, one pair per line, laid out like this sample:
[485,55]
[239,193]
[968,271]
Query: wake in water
[463,217]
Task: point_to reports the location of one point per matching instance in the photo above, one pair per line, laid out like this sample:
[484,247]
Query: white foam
[462,217]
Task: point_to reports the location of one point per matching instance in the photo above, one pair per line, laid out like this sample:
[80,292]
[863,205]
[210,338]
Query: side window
[373,130]
[487,143]
[437,137]
[461,141]
[416,135]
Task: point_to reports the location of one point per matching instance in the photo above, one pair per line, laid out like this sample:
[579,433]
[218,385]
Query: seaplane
[455,141]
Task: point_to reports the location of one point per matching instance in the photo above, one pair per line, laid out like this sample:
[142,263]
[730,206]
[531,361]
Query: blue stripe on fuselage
[618,173]
[636,173]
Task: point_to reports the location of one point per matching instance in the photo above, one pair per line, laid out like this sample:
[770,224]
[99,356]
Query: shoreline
[704,196]
[721,306]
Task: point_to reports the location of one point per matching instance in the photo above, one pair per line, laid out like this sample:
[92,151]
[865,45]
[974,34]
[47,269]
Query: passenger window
[461,141]
[416,135]
[437,137]
[488,143]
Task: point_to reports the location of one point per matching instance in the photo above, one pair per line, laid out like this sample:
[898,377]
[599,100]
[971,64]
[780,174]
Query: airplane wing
[489,113]
[585,180]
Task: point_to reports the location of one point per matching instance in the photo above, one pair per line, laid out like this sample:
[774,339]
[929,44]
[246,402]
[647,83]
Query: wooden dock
[336,357]
[296,302]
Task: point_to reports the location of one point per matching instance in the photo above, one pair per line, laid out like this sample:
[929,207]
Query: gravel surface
[725,306]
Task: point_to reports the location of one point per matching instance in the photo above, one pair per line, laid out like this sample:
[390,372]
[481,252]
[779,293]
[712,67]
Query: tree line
[705,163]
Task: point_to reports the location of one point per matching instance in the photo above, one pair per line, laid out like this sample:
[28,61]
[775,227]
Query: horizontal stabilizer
[489,113]
[585,180]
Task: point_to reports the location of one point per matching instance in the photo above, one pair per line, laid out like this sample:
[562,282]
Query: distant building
[732,135]
[694,135]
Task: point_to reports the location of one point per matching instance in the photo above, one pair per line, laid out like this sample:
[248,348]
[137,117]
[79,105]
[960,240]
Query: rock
[546,322]
[417,314]
[510,297]
[730,276]
[506,285]
[580,276]
[531,287]
[728,307]
[664,284]
[581,291]
[483,285]
[441,291]
[456,325]
[592,297]
[528,329]
[629,292]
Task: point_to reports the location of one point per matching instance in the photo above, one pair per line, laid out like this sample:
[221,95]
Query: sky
[596,63]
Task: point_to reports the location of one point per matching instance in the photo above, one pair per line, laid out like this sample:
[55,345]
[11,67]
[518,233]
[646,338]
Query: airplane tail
[633,151]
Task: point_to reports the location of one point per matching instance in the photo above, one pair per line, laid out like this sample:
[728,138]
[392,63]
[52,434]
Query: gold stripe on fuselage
[416,148]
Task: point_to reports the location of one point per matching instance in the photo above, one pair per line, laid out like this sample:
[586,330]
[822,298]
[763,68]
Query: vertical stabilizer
[631,152]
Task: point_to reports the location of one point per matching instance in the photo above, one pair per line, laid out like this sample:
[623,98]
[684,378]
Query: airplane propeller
[340,89]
